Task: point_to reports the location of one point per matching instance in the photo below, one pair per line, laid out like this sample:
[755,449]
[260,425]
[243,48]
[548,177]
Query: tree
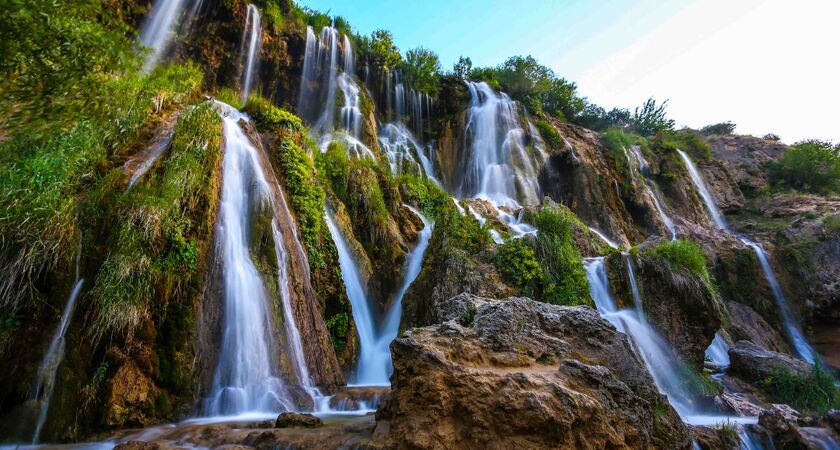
[421,69]
[651,118]
[380,50]
[811,166]
[462,68]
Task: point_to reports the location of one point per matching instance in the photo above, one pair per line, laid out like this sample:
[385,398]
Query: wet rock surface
[753,363]
[297,420]
[524,375]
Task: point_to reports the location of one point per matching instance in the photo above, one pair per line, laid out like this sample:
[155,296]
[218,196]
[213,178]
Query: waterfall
[363,315]
[253,36]
[497,142]
[664,365]
[414,263]
[800,344]
[247,377]
[718,351]
[405,154]
[45,383]
[48,370]
[700,186]
[644,171]
[157,30]
[374,366]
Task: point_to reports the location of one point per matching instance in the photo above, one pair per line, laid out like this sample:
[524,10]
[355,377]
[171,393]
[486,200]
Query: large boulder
[748,325]
[753,363]
[524,374]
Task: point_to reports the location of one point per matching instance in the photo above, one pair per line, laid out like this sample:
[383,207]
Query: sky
[769,66]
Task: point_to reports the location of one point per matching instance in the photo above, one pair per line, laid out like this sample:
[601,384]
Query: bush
[814,393]
[619,141]
[547,266]
[269,115]
[550,135]
[809,166]
[338,326]
[723,128]
[686,140]
[423,192]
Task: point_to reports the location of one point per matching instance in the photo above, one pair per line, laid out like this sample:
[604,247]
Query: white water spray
[658,203]
[158,29]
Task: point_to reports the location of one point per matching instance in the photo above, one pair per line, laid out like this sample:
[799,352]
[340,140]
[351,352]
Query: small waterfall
[700,186]
[800,344]
[405,154]
[644,171]
[718,351]
[668,371]
[152,155]
[499,168]
[414,263]
[363,315]
[158,29]
[253,36]
[604,237]
[45,383]
[351,114]
[247,377]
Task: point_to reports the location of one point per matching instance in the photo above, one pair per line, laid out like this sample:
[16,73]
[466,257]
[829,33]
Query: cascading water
[668,371]
[157,30]
[405,154]
[150,155]
[800,344]
[247,377]
[362,313]
[45,384]
[644,171]
[499,168]
[253,36]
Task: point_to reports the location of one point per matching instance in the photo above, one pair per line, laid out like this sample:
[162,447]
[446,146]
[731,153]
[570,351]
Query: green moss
[423,192]
[227,95]
[814,393]
[517,263]
[334,169]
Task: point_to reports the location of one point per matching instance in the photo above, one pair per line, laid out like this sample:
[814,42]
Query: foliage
[772,137]
[682,256]
[549,134]
[597,118]
[380,50]
[461,231]
[651,118]
[423,192]
[227,95]
[154,241]
[462,68]
[723,128]
[809,166]
[619,141]
[271,116]
[517,263]
[275,16]
[338,325]
[547,266]
[333,168]
[306,196]
[687,140]
[813,393]
[54,50]
[421,69]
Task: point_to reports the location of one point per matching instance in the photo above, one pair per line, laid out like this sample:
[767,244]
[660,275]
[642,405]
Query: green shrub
[814,393]
[334,168]
[550,135]
[651,118]
[269,115]
[421,69]
[809,166]
[686,140]
[723,128]
[517,263]
[547,266]
[227,95]
[423,192]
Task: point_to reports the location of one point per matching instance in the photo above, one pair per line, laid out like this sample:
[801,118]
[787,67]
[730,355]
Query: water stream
[658,203]
[158,29]
[792,329]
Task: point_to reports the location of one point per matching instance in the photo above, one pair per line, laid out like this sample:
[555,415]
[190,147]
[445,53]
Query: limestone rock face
[745,157]
[748,325]
[524,374]
[722,185]
[753,363]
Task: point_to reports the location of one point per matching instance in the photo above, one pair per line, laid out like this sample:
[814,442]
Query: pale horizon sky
[769,66]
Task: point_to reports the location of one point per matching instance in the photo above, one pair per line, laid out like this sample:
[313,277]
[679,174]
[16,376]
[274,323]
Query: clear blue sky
[767,65]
